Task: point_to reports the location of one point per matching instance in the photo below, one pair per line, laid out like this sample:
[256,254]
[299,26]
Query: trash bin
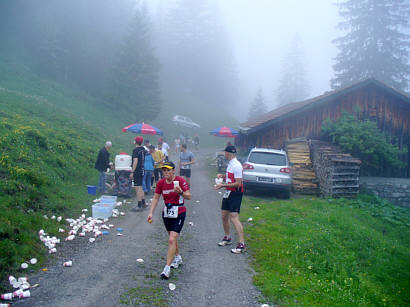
[92,189]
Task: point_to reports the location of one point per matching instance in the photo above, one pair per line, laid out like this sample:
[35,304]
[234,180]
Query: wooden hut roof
[297,107]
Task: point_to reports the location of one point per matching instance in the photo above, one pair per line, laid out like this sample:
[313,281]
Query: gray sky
[261,32]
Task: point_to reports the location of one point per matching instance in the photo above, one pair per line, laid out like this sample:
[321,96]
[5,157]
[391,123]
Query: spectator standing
[232,199]
[196,142]
[177,145]
[186,159]
[165,149]
[148,169]
[102,164]
[137,173]
[146,145]
[158,161]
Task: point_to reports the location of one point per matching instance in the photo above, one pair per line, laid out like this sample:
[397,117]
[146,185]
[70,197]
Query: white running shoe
[166,272]
[177,262]
[225,241]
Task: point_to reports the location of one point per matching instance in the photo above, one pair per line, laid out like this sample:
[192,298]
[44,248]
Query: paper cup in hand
[176,184]
[68,263]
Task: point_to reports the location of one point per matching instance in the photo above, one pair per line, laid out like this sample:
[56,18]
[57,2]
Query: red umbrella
[143,129]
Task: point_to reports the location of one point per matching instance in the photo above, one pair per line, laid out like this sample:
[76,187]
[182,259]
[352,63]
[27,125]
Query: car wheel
[286,194]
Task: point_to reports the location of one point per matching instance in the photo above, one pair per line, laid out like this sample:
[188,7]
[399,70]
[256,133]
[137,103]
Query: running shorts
[174,224]
[233,202]
[185,172]
[138,179]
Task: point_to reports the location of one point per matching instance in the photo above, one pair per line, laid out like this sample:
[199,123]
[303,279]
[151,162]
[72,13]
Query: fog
[262,30]
[260,34]
[212,53]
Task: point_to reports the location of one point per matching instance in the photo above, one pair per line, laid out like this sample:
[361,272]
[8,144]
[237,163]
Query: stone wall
[395,190]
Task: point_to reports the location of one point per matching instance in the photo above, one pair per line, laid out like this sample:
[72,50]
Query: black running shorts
[185,172]
[174,224]
[137,177]
[233,202]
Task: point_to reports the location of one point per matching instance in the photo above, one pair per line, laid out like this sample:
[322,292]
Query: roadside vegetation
[329,252]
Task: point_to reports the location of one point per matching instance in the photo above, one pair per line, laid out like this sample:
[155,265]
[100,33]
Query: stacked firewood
[337,172]
[304,180]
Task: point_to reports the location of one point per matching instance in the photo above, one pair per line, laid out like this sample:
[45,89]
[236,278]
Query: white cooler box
[102,211]
[123,162]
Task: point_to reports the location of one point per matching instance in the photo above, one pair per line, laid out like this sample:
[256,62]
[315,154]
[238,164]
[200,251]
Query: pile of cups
[21,286]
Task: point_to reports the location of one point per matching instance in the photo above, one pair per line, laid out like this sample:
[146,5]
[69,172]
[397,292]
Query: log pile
[304,180]
[338,173]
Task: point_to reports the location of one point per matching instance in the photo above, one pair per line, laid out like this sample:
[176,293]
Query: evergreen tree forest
[376,43]
[125,55]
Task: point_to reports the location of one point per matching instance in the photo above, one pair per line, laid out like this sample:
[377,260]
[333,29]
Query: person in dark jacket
[102,164]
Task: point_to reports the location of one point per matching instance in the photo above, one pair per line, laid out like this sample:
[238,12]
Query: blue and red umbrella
[143,129]
[225,132]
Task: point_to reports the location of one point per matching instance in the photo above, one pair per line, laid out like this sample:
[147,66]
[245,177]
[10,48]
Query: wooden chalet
[371,99]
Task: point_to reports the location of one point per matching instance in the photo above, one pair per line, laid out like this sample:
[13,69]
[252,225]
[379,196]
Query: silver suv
[268,169]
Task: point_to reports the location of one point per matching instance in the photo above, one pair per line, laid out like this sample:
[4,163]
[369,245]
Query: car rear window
[267,158]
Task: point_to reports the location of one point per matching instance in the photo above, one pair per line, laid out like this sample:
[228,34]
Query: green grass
[49,139]
[318,252]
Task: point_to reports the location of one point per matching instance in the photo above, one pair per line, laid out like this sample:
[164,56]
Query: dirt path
[105,273]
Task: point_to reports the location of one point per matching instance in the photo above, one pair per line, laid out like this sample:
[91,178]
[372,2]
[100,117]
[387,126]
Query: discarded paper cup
[25,294]
[25,286]
[119,234]
[191,224]
[12,279]
[59,219]
[105,232]
[140,260]
[68,263]
[4,305]
[250,219]
[22,279]
[91,240]
[120,229]
[171,286]
[33,260]
[257,208]
[52,251]
[264,305]
[7,296]
[24,265]
[17,293]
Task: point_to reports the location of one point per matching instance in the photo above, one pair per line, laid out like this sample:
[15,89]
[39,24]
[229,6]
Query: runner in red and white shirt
[174,191]
[232,199]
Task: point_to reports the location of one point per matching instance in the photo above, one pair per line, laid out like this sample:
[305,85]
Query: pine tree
[135,82]
[195,48]
[293,85]
[258,106]
[376,45]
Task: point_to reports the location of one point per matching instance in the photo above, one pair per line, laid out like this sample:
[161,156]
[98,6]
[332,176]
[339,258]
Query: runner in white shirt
[232,199]
[165,148]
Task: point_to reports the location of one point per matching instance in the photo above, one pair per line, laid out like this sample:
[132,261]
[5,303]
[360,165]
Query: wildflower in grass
[309,267]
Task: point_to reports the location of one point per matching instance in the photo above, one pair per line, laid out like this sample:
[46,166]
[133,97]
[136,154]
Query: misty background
[161,57]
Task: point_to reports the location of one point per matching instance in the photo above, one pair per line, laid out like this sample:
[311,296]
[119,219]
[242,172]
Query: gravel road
[106,273]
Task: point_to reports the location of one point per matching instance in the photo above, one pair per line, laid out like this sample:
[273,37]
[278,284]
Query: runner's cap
[168,165]
[230,148]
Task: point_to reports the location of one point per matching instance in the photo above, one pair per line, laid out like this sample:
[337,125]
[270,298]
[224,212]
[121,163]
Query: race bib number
[171,212]
[226,194]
